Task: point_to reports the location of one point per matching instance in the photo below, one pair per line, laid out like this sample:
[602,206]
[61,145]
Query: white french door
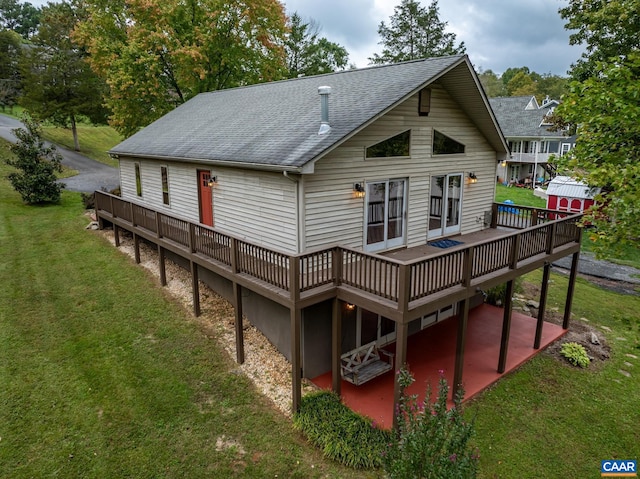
[385,213]
[445,205]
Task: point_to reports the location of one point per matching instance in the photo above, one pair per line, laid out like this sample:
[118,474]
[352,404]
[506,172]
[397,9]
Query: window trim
[164,179]
[433,144]
[366,149]
[138,178]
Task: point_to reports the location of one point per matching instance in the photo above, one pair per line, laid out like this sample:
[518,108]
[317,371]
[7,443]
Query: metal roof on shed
[565,186]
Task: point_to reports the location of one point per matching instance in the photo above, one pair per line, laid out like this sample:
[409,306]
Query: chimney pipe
[324,92]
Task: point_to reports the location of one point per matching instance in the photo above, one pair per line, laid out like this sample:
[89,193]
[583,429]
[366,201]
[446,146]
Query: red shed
[568,194]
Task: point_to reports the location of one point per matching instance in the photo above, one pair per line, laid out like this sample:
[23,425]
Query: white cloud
[498,34]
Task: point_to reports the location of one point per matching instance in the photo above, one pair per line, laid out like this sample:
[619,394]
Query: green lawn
[550,419]
[102,375]
[95,141]
[520,196]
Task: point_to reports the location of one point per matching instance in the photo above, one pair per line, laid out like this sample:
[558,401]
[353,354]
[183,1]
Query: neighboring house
[525,124]
[291,199]
[568,194]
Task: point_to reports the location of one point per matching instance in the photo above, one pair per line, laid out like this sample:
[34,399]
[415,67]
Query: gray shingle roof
[276,124]
[517,122]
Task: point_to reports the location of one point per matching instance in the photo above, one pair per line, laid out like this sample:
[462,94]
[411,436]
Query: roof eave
[210,162]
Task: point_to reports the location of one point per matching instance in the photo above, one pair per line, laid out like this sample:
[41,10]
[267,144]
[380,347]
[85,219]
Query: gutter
[221,163]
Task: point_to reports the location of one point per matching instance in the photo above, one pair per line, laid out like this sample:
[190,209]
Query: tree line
[132,61]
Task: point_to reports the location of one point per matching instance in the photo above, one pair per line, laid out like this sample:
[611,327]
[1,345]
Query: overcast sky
[498,34]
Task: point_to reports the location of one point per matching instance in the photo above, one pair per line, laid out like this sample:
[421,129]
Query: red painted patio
[433,350]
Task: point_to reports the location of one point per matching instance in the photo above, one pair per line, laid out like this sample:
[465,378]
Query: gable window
[165,184]
[443,145]
[138,180]
[395,146]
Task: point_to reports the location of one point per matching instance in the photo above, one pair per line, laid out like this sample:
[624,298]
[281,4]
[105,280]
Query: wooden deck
[401,285]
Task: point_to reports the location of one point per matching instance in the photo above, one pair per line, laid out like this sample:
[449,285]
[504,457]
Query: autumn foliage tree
[156,54]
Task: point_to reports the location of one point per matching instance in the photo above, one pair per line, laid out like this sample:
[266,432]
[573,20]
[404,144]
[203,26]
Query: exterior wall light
[473,178]
[358,190]
[350,307]
[213,181]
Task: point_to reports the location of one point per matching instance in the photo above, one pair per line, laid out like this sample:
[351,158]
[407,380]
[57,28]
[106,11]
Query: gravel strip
[267,368]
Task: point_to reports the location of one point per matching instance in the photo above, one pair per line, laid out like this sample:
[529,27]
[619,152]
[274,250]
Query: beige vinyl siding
[334,215]
[257,206]
[183,187]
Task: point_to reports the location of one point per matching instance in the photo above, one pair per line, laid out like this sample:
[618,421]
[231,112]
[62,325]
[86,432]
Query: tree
[22,18]
[10,52]
[606,110]
[491,83]
[307,54]
[36,182]
[415,32]
[521,84]
[156,54]
[58,82]
[608,28]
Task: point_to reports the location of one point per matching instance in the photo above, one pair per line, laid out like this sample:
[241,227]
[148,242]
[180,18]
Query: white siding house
[280,183]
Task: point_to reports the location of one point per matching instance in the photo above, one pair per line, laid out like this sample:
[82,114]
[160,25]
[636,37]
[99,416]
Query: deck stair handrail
[370,273]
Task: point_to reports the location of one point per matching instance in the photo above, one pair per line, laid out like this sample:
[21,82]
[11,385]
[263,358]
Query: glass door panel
[436,201]
[395,212]
[385,214]
[376,198]
[454,204]
[445,205]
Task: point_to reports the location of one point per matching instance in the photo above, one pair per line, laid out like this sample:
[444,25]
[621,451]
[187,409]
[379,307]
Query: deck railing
[370,273]
[541,232]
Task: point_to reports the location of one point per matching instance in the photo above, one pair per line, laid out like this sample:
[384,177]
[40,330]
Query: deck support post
[543,304]
[296,363]
[402,331]
[116,235]
[572,283]
[461,339]
[296,319]
[195,288]
[136,247]
[162,266]
[506,327]
[336,336]
[237,306]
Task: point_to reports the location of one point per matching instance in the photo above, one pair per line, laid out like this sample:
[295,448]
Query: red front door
[205,198]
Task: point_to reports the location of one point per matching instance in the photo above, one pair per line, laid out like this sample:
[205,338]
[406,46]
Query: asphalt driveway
[92,176]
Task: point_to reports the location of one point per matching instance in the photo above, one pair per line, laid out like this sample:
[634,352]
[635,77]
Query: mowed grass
[102,375]
[520,196]
[550,419]
[95,141]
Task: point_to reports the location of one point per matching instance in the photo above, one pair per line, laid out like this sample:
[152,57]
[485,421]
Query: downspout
[298,209]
